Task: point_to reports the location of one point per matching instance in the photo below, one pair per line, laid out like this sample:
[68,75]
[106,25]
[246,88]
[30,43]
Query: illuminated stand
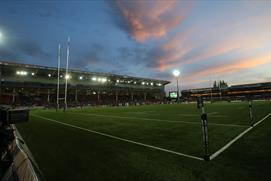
[204,119]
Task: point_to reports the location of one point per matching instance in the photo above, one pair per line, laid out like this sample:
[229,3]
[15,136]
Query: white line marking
[122,139]
[237,138]
[161,120]
[211,115]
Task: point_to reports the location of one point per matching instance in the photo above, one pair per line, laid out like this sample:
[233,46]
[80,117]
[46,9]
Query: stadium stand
[32,85]
[236,92]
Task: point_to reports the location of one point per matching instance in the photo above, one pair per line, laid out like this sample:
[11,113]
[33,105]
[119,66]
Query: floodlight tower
[176,74]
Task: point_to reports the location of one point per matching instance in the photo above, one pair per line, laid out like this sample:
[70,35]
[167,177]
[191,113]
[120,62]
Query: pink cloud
[237,65]
[152,19]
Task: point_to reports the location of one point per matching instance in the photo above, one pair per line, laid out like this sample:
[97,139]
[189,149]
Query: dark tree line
[220,84]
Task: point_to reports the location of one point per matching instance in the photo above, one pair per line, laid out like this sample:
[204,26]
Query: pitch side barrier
[16,161]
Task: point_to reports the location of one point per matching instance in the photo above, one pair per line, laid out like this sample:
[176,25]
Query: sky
[205,40]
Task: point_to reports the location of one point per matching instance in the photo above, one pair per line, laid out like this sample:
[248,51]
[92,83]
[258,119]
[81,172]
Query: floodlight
[49,75]
[94,78]
[151,83]
[67,76]
[143,83]
[118,81]
[21,72]
[103,79]
[81,77]
[32,73]
[176,73]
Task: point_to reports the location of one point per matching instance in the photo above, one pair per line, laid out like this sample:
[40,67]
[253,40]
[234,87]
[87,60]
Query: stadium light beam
[176,74]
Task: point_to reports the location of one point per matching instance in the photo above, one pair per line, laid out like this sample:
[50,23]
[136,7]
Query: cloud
[31,48]
[197,46]
[90,57]
[169,53]
[150,19]
[7,55]
[22,50]
[236,66]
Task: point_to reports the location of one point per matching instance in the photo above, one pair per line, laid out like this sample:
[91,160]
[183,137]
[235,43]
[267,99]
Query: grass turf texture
[66,153]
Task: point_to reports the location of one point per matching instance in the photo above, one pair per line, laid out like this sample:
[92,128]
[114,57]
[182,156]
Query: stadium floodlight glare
[94,78]
[81,77]
[103,79]
[49,75]
[151,83]
[143,83]
[134,82]
[32,73]
[21,72]
[118,81]
[67,77]
[176,74]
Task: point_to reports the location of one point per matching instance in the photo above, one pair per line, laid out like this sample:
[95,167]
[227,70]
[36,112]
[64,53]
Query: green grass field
[110,143]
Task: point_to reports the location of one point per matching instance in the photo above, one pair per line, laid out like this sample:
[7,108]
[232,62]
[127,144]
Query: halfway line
[118,138]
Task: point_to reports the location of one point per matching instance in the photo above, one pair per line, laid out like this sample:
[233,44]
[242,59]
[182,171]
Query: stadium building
[24,84]
[236,92]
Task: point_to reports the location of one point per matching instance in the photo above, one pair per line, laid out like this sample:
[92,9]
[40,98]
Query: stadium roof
[44,68]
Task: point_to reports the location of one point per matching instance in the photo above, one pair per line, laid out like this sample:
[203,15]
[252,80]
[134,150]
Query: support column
[117,96]
[98,96]
[13,96]
[48,96]
[75,96]
[132,96]
[145,96]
